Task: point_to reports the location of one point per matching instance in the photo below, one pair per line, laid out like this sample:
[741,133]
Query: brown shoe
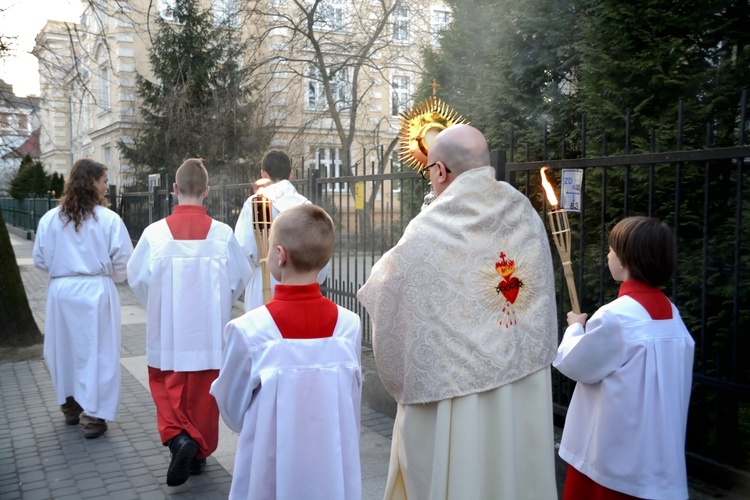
[72,411]
[93,427]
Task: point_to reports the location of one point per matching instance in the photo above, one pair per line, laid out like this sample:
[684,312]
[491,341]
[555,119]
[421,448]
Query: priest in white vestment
[465,330]
[84,247]
[276,166]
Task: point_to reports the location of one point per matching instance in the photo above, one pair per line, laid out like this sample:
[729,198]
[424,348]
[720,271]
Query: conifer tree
[199,102]
[31,179]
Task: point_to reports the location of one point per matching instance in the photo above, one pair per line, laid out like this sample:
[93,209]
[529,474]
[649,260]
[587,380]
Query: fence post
[32,212]
[113,198]
[170,190]
[497,160]
[312,177]
[153,203]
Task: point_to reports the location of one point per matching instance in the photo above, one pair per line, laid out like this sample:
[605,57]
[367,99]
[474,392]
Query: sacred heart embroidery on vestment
[509,287]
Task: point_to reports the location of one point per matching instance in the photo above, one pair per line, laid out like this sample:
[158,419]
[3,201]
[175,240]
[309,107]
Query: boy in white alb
[187,270]
[276,166]
[290,382]
[624,434]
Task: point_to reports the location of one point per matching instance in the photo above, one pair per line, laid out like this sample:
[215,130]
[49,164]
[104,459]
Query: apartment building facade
[365,53]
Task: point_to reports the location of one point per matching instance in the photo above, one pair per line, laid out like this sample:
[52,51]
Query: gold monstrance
[262,218]
[420,124]
[560,228]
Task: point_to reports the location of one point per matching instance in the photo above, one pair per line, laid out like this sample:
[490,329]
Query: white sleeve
[243,231]
[234,388]
[239,268]
[120,249]
[589,355]
[38,251]
[139,270]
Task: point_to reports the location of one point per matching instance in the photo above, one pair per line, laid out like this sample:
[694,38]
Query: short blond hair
[306,233]
[192,177]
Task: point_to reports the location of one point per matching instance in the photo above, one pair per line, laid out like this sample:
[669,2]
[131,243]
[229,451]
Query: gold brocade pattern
[442,329]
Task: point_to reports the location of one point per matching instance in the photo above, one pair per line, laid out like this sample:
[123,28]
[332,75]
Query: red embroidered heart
[509,288]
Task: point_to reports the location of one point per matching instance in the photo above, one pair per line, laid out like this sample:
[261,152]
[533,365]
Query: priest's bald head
[455,150]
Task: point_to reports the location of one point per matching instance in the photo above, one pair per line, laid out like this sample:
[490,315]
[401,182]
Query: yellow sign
[359,195]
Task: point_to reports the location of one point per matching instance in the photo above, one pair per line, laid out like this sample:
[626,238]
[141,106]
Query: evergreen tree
[505,65]
[31,179]
[57,184]
[200,102]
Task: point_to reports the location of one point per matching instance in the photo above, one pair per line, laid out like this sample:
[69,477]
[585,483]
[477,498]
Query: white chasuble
[465,302]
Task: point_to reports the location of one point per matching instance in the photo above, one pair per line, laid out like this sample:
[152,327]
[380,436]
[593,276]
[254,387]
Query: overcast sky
[21,21]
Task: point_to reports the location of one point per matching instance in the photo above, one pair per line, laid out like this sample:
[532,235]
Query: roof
[29,147]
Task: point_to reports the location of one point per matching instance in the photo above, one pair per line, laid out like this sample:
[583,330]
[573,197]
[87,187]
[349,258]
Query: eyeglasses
[426,170]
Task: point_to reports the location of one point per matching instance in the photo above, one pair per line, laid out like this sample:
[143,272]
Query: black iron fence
[704,195]
[27,212]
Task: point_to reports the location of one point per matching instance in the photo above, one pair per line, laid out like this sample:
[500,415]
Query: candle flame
[551,197]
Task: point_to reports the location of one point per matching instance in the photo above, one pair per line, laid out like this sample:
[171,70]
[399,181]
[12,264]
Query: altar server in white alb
[290,382]
[624,434]
[276,166]
[84,247]
[187,270]
[464,333]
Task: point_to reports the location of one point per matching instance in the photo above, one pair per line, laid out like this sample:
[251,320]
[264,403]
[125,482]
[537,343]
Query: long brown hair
[80,195]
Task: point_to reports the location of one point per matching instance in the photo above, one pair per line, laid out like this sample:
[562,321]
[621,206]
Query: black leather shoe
[197,467]
[183,449]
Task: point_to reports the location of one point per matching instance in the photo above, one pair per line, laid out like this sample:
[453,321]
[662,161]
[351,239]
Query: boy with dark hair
[290,382]
[624,434]
[187,270]
[276,166]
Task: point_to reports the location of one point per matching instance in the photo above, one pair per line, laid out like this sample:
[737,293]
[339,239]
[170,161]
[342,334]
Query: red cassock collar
[651,298]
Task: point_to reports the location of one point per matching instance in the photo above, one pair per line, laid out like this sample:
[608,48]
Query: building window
[166,9]
[86,112]
[100,13]
[328,163]
[441,19]
[401,24]
[226,13]
[400,94]
[102,85]
[316,97]
[23,123]
[107,156]
[330,15]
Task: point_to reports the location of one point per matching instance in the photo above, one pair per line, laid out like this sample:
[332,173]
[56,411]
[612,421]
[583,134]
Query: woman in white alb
[84,247]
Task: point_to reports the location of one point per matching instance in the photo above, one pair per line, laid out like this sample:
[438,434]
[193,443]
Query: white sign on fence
[570,190]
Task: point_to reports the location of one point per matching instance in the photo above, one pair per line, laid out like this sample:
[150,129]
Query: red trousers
[184,403]
[579,486]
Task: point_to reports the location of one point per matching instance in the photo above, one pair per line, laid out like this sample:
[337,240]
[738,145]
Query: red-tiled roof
[29,147]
